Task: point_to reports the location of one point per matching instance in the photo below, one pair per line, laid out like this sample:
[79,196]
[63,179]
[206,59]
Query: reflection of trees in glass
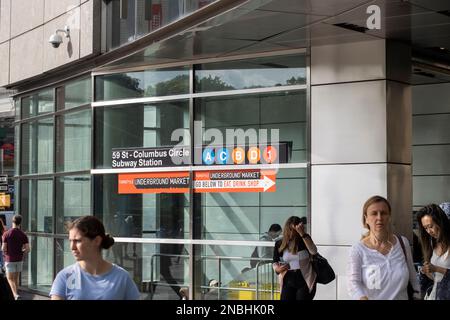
[293,81]
[127,82]
[212,84]
[177,85]
[217,84]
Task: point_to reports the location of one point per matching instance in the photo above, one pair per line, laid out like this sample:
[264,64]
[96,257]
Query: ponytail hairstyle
[91,227]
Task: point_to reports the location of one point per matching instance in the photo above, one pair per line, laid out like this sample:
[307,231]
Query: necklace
[382,246]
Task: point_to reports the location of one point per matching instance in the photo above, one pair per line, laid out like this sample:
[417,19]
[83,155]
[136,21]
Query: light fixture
[55,39]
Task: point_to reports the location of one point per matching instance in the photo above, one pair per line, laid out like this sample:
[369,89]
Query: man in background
[15,245]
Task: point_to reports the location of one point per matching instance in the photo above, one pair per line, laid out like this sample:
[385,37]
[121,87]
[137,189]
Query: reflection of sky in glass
[251,78]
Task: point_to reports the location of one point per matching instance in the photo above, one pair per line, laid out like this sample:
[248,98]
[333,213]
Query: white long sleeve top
[378,276]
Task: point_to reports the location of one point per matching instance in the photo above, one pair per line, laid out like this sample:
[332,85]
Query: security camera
[55,39]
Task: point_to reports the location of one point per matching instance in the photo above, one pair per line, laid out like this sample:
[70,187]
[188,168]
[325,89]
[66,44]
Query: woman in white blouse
[434,230]
[291,260]
[378,268]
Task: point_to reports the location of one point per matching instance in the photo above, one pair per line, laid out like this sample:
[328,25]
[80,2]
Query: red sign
[235,181]
[249,180]
[160,182]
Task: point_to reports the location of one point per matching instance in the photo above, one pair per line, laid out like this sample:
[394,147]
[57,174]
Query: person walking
[380,265]
[2,231]
[273,234]
[292,262]
[15,245]
[92,277]
[434,231]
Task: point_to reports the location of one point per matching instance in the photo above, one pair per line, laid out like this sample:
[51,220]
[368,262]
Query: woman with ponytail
[92,277]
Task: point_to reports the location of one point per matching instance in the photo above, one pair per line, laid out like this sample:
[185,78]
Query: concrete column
[360,144]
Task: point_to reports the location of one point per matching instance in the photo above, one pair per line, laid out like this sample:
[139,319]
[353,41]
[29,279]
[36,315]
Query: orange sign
[5,200]
[250,180]
[159,182]
[235,181]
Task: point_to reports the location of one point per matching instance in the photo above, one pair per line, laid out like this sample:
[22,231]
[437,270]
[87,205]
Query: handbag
[325,273]
[409,289]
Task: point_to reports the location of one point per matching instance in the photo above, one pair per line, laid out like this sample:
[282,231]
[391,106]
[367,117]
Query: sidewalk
[31,296]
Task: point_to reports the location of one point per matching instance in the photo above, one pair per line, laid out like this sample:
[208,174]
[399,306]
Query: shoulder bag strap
[400,240]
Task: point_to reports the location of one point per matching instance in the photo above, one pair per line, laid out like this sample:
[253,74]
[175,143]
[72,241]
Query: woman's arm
[276,265]
[429,268]
[309,243]
[355,286]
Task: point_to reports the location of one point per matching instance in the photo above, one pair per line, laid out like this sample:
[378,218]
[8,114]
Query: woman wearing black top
[291,261]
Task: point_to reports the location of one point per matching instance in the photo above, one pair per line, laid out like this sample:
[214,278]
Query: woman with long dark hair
[434,231]
[291,260]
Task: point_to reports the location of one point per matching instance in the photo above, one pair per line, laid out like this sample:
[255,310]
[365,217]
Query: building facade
[285,108]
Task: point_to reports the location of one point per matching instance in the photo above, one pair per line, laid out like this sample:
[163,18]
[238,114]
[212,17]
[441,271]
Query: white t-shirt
[378,276]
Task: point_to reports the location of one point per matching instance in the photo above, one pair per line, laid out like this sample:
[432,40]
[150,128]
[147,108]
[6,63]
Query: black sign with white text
[150,157]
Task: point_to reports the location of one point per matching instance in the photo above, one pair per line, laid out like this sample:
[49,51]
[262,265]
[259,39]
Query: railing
[243,287]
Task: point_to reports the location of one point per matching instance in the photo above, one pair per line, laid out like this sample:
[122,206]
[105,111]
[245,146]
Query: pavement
[25,295]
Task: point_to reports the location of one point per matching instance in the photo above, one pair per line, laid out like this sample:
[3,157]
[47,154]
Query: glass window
[255,118]
[140,125]
[250,74]
[63,254]
[37,204]
[38,104]
[246,216]
[228,277]
[136,215]
[77,93]
[149,83]
[17,109]
[128,20]
[37,147]
[39,267]
[73,199]
[73,147]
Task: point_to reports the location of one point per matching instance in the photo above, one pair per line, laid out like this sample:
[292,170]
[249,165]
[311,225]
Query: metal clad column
[360,144]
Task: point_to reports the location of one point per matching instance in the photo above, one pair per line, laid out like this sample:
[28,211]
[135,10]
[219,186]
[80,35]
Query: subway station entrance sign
[249,180]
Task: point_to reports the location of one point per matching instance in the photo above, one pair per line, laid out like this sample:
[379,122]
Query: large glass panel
[247,216]
[73,147]
[128,20]
[149,83]
[73,199]
[37,204]
[39,275]
[264,116]
[165,271]
[77,93]
[144,216]
[227,277]
[17,109]
[38,104]
[249,74]
[140,125]
[37,147]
